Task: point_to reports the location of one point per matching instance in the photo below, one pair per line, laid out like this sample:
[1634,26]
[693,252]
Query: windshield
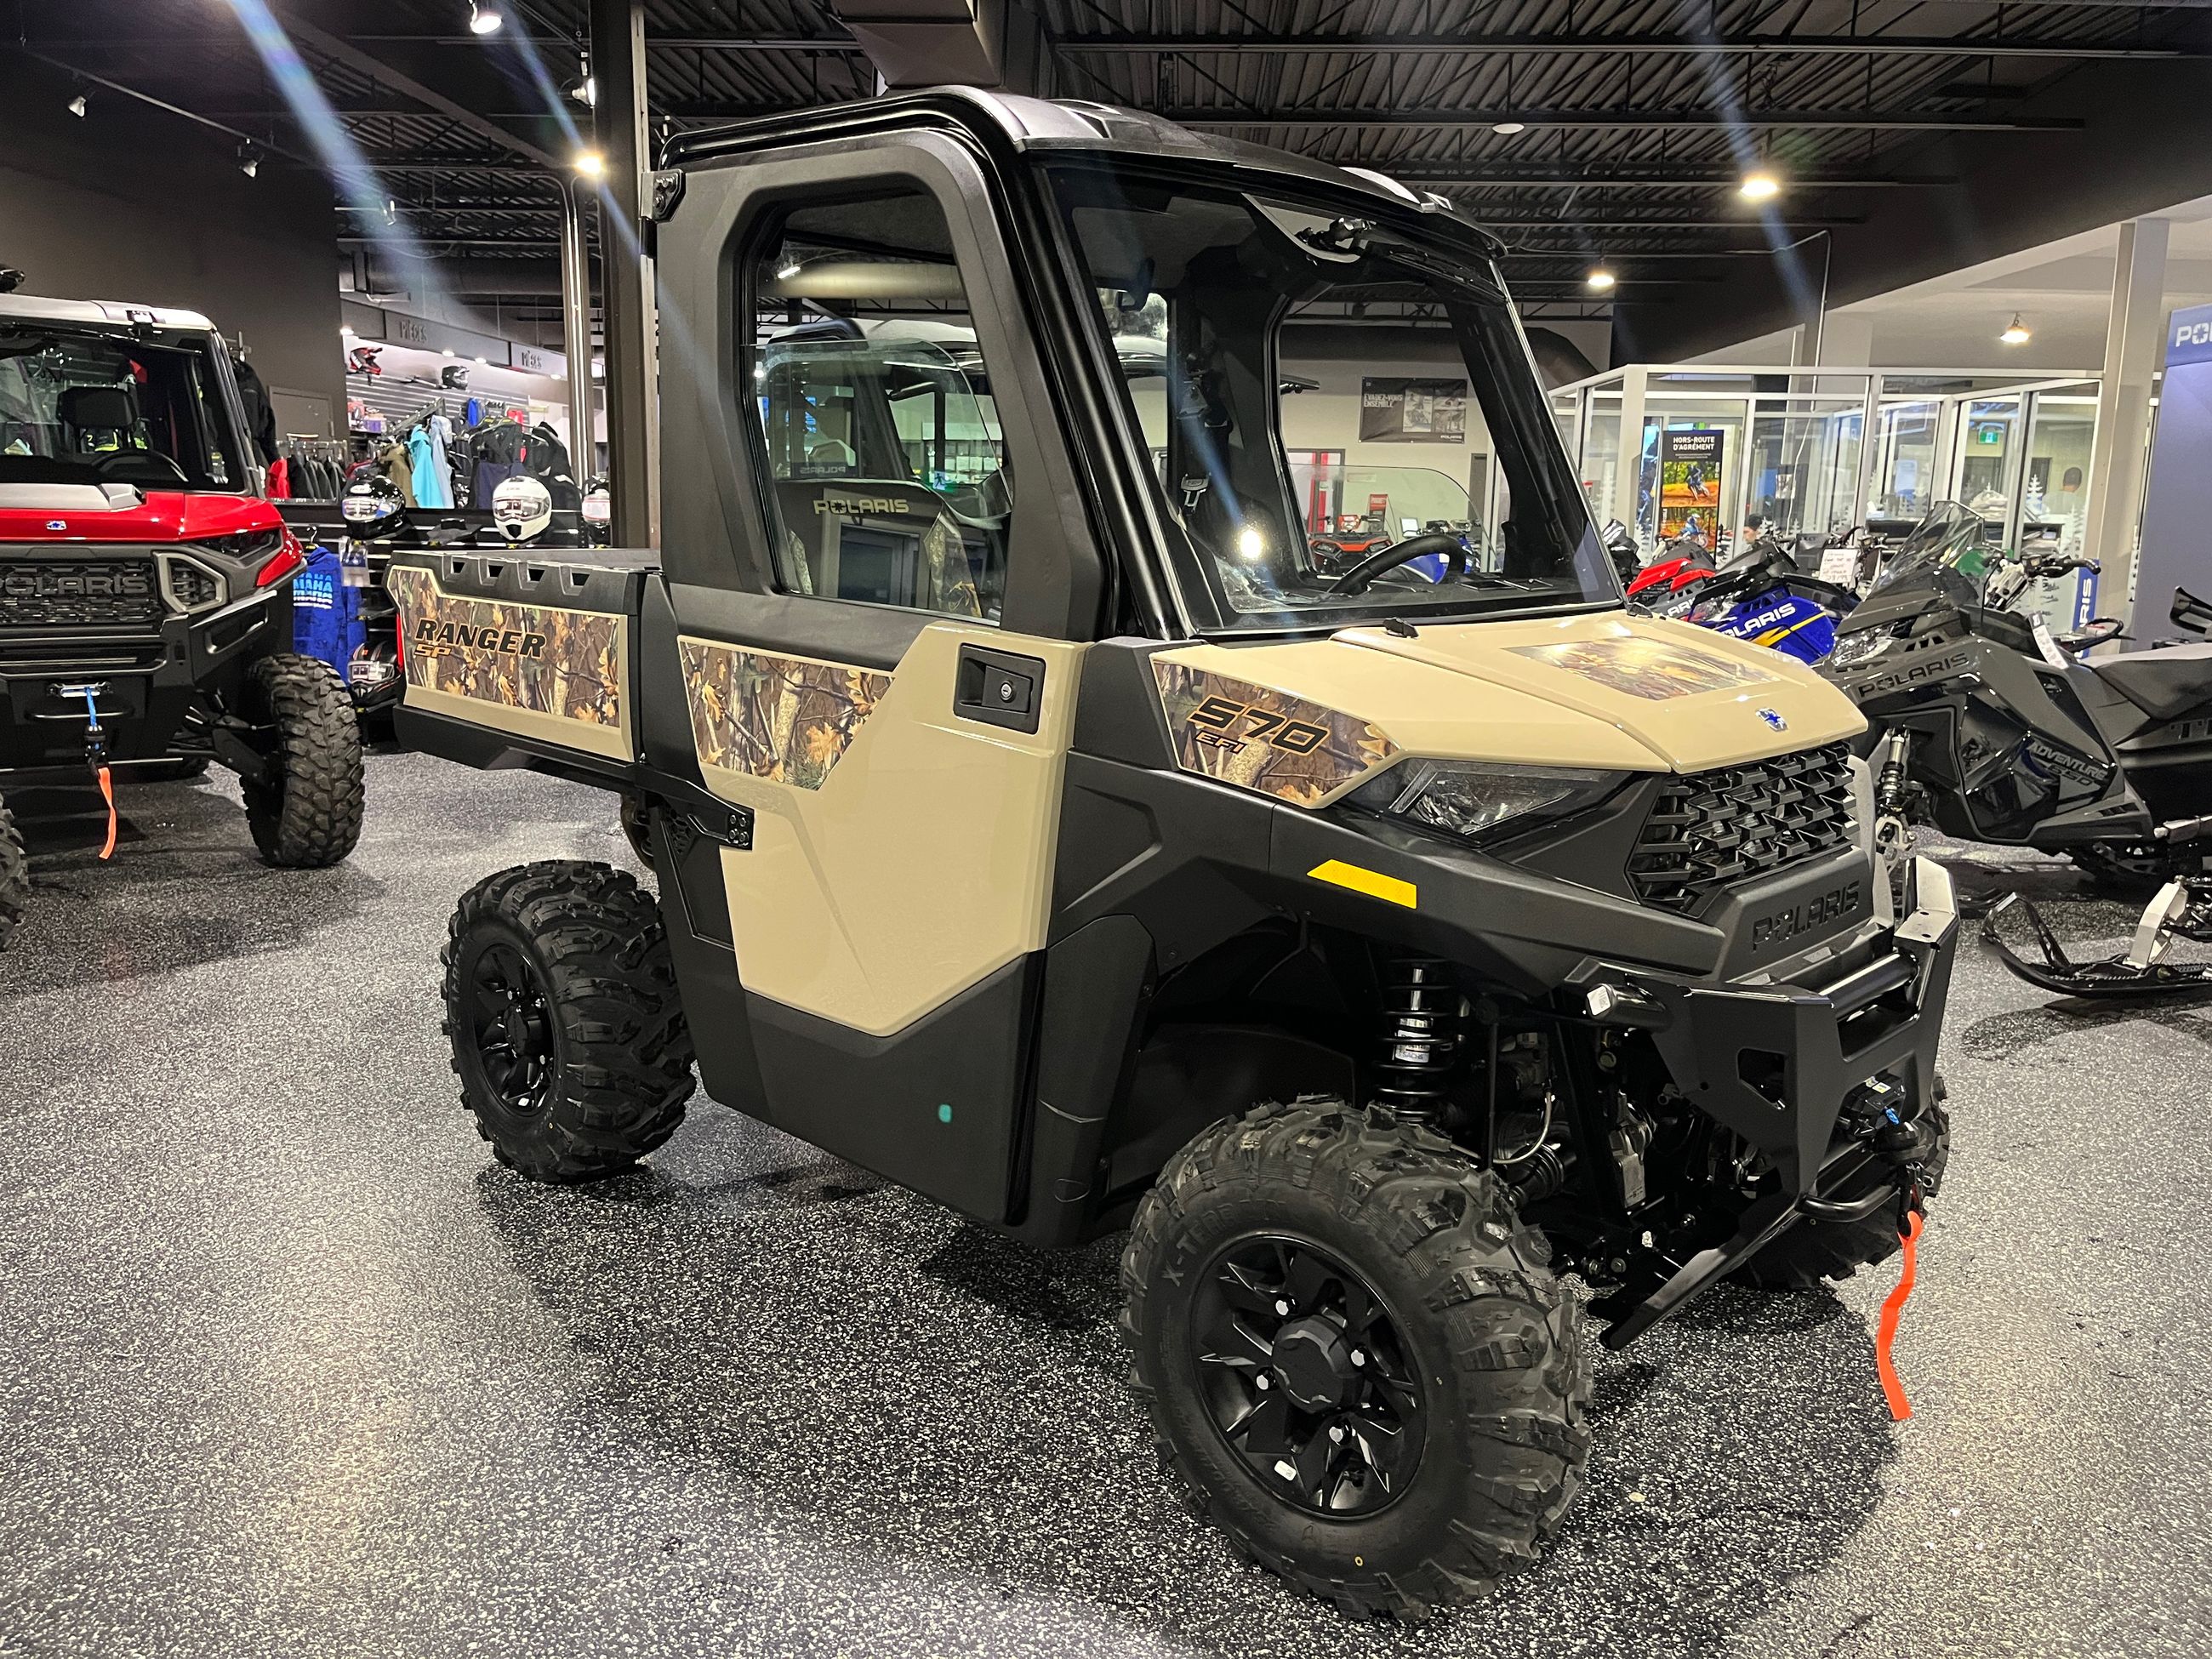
[86,407]
[1949,547]
[1317,392]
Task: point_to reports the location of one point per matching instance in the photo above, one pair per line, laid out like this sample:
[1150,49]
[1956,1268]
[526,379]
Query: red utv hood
[163,515]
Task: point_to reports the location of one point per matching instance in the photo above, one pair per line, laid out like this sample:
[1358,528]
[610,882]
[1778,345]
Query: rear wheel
[1355,1357]
[308,814]
[15,874]
[568,1030]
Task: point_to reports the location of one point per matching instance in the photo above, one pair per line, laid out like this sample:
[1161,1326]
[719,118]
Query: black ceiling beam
[384,71]
[1570,45]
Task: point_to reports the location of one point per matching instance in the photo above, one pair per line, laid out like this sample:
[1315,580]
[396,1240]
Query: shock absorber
[1889,782]
[1420,1038]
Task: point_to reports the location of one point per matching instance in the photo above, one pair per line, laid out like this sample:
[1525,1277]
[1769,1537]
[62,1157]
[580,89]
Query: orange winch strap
[107,790]
[1885,1334]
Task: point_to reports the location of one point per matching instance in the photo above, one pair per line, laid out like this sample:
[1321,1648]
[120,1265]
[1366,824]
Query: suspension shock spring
[1420,1038]
[1889,782]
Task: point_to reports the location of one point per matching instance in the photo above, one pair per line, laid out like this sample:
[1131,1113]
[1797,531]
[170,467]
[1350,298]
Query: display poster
[2178,502]
[1409,412]
[1690,485]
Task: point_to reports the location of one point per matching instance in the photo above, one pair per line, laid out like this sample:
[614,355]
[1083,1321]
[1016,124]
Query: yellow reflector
[1373,883]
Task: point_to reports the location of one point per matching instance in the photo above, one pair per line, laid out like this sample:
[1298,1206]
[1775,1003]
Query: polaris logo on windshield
[852,507]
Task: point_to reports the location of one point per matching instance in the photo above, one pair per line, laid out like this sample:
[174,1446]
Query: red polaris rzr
[145,605]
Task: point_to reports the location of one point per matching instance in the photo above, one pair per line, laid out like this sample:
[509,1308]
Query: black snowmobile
[1997,730]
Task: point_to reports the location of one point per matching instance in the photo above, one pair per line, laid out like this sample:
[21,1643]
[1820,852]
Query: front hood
[1607,690]
[85,513]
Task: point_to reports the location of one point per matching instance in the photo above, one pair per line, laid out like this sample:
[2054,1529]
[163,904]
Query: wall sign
[1413,412]
[1690,485]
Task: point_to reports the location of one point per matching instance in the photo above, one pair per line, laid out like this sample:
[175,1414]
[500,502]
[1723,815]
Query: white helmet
[522,507]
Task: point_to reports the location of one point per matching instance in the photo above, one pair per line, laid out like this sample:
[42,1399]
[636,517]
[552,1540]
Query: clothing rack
[314,467]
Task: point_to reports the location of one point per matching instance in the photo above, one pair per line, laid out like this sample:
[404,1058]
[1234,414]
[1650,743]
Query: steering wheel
[143,461]
[1357,578]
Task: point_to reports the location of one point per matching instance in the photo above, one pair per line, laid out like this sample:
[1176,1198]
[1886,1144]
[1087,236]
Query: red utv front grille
[1714,829]
[105,593]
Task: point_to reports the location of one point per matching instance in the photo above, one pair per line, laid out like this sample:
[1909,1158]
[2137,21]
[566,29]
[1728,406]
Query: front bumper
[147,681]
[1775,1063]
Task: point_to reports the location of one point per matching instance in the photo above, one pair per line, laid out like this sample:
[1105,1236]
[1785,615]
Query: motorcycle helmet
[522,507]
[373,508]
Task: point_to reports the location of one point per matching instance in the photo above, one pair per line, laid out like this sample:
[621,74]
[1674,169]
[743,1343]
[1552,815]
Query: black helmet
[373,508]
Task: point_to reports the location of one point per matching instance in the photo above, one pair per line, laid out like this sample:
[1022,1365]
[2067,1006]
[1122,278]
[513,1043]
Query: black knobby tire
[1812,1251]
[307,816]
[592,953]
[15,874]
[1495,1344]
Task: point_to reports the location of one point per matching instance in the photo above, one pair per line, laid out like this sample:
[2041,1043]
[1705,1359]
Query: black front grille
[112,592]
[195,588]
[1717,829]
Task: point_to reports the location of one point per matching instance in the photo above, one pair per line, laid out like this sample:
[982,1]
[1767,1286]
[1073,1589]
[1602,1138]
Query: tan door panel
[901,854]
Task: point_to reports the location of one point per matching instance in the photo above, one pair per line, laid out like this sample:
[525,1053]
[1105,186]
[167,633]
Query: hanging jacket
[429,477]
[399,467]
[280,480]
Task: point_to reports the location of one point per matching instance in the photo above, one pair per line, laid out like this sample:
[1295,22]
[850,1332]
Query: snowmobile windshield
[1328,387]
[83,406]
[1947,550]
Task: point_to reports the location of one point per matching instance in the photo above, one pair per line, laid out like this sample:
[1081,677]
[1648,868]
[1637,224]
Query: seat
[2165,684]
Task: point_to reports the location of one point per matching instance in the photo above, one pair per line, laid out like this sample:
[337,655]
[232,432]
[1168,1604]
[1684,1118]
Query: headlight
[1472,798]
[1857,646]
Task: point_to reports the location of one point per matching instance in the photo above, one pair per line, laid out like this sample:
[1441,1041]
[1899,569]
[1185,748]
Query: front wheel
[1355,1357]
[306,814]
[568,1030]
[15,874]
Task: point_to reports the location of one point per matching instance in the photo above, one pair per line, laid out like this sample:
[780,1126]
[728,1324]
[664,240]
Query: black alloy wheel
[1306,1375]
[510,1026]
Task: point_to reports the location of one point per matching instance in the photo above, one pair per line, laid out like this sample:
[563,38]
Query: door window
[885,459]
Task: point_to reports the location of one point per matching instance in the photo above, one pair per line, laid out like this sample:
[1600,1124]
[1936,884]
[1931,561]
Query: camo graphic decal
[1264,740]
[784,718]
[540,658]
[1656,671]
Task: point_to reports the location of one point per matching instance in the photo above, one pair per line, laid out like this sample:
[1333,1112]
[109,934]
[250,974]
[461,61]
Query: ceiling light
[249,160]
[591,164]
[346,329]
[2016,333]
[788,271]
[483,18]
[1601,280]
[1760,185]
[76,105]
[586,92]
[1507,128]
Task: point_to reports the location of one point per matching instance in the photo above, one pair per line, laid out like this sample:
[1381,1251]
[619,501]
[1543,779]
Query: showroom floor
[289,1367]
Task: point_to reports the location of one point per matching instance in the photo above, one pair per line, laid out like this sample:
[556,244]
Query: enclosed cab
[1040,819]
[145,611]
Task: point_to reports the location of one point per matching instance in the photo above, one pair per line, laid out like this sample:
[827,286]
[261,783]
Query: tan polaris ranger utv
[1037,824]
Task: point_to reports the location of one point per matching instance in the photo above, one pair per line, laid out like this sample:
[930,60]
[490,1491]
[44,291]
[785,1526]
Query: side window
[886,461]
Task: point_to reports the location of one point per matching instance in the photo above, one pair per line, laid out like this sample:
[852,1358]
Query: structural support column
[626,273]
[1628,473]
[2118,458]
[576,327]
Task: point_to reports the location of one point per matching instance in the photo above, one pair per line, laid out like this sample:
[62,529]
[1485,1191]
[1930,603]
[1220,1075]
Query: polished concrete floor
[288,1367]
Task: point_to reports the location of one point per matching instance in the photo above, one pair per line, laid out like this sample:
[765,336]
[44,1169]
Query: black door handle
[998,687]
